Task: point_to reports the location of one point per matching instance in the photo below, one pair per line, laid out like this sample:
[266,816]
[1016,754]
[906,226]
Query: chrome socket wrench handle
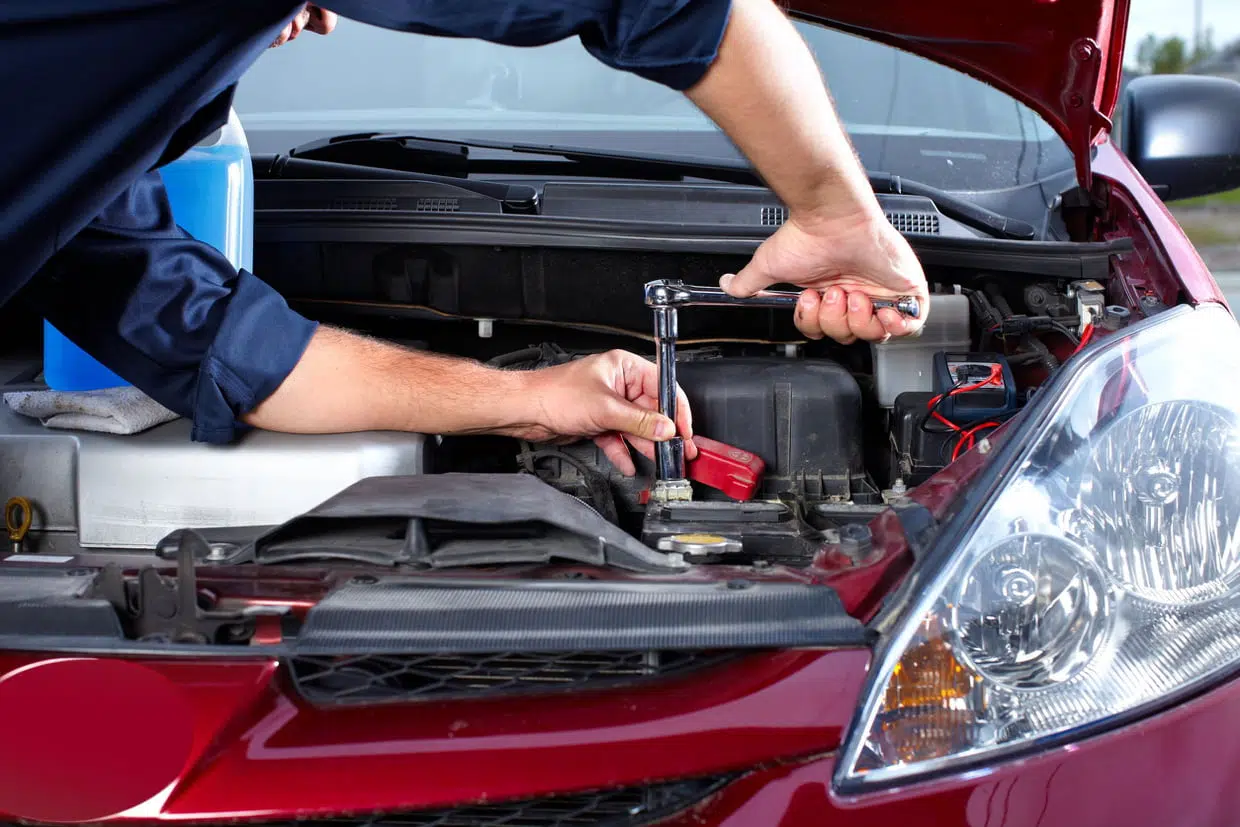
[668,293]
[670,455]
[664,297]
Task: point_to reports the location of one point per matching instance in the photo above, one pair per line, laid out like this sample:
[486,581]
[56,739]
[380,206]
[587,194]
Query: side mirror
[1182,133]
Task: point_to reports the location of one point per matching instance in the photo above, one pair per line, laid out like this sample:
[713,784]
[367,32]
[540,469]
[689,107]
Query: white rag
[124,410]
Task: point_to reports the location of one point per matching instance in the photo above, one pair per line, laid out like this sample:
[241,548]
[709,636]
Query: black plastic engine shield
[404,615]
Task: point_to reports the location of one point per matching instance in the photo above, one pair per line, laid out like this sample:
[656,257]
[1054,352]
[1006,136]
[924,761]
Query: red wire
[1086,335]
[970,436]
[995,378]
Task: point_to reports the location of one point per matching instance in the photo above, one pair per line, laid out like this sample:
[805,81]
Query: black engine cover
[802,416]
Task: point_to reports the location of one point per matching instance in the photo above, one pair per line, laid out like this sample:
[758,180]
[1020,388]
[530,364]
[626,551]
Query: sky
[1167,17]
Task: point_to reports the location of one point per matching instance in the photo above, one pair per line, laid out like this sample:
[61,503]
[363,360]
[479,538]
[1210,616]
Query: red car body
[208,740]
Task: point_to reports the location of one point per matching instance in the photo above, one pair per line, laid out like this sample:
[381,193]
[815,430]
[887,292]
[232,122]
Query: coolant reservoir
[211,189]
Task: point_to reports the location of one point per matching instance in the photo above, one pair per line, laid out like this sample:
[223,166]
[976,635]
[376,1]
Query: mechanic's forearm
[765,91]
[345,382]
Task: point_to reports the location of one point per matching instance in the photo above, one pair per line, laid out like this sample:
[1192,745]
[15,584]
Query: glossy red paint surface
[1161,248]
[1178,768]
[1063,58]
[259,751]
[46,754]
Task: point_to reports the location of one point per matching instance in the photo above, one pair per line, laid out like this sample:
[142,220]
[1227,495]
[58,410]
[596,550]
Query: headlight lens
[1102,575]
[1030,612]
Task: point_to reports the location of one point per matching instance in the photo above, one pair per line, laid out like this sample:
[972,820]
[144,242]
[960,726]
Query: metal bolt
[221,551]
[855,541]
[486,328]
[1076,101]
[1084,50]
[237,631]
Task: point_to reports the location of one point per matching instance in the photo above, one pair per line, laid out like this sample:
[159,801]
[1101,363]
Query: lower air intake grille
[915,223]
[626,807]
[363,679]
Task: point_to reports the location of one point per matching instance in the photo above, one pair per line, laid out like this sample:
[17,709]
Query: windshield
[906,115]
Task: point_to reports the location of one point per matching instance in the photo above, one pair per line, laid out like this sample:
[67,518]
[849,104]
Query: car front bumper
[187,740]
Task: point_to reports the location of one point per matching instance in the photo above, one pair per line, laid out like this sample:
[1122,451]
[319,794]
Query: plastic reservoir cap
[734,471]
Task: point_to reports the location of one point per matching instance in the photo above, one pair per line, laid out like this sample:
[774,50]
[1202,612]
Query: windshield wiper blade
[954,206]
[415,153]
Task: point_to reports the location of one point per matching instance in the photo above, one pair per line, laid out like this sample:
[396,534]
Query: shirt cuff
[672,42]
[258,343]
[171,315]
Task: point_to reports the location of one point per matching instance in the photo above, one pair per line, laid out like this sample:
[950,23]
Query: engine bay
[835,439]
[805,443]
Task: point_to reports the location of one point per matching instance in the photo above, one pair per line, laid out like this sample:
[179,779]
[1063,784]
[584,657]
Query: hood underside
[1062,58]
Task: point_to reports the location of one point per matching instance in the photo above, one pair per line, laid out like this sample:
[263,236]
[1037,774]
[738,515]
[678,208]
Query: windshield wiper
[451,158]
[954,206]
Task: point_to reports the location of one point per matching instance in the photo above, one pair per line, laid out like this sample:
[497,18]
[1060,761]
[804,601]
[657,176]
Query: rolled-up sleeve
[171,315]
[672,42]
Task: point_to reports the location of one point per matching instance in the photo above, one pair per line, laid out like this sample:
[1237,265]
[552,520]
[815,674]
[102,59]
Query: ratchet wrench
[664,297]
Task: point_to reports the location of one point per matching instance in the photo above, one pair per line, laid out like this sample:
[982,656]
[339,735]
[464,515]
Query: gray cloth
[124,410]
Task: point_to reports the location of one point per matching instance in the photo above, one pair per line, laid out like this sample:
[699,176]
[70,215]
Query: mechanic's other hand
[609,397]
[311,18]
[844,262]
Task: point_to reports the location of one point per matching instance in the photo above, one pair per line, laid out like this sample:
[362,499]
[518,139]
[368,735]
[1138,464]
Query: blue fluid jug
[211,189]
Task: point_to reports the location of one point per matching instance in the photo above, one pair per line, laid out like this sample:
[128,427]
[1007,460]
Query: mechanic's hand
[844,261]
[310,18]
[610,397]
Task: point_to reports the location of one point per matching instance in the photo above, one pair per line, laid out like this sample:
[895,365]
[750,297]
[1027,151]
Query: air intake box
[803,417]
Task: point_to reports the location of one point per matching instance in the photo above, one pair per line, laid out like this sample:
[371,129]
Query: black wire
[949,445]
[1072,337]
[963,426]
[960,383]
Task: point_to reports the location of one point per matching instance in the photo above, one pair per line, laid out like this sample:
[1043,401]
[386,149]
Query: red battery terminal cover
[733,471]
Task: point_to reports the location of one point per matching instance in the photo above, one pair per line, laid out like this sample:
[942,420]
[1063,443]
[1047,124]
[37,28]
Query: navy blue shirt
[101,93]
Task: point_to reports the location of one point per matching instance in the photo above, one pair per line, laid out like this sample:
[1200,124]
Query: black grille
[915,223]
[627,807]
[437,205]
[365,204]
[377,678]
[773,216]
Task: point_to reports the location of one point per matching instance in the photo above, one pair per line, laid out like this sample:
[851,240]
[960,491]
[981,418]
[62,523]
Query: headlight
[1097,575]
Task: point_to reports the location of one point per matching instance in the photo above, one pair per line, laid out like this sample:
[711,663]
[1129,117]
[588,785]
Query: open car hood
[1062,58]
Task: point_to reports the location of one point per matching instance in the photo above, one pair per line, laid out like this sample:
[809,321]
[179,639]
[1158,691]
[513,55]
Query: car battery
[973,386]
